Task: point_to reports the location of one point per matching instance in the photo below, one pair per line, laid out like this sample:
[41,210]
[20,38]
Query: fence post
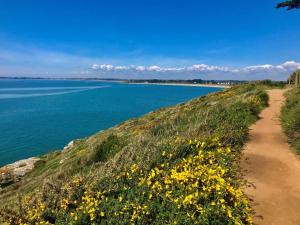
[297,79]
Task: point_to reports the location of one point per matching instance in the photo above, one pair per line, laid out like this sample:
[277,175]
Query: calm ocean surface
[37,116]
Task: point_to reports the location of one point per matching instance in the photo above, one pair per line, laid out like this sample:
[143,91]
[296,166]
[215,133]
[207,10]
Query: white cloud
[291,65]
[207,68]
[29,60]
[155,68]
[266,67]
[20,61]
[106,67]
[140,68]
[121,68]
[288,66]
[95,67]
[204,71]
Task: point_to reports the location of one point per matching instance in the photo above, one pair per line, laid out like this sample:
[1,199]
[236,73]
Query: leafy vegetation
[290,118]
[107,148]
[177,165]
[291,4]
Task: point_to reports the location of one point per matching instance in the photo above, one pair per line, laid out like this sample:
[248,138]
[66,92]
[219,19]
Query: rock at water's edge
[12,173]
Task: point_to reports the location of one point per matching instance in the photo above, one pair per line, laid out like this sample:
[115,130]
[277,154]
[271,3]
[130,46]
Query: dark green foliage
[264,98]
[107,148]
[292,4]
[290,118]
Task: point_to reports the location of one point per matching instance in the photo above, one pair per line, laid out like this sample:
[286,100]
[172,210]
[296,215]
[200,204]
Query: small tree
[292,4]
[294,78]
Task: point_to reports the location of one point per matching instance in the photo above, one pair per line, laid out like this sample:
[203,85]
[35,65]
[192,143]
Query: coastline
[5,164]
[183,84]
[66,147]
[78,158]
[118,81]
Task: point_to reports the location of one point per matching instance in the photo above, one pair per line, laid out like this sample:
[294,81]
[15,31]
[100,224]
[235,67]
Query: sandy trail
[273,169]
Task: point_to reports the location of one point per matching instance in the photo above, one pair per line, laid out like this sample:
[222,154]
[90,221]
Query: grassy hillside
[176,165]
[290,118]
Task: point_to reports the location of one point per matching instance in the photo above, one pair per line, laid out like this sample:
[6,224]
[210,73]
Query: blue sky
[148,39]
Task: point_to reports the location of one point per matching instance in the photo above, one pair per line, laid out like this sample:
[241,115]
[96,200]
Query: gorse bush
[197,189]
[290,118]
[177,165]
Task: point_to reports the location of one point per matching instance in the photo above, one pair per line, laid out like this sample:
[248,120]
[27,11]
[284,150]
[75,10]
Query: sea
[38,116]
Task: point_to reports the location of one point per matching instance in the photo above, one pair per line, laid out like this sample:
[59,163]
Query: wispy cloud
[286,66]
[22,60]
[266,71]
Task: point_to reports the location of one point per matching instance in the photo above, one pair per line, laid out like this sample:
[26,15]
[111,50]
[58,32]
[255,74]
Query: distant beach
[183,84]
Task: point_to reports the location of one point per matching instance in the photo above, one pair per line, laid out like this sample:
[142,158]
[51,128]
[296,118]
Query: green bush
[107,148]
[290,118]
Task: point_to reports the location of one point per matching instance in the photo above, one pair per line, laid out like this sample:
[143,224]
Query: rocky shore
[14,172]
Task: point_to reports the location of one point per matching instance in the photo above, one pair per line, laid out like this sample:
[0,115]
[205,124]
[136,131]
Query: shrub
[107,148]
[290,118]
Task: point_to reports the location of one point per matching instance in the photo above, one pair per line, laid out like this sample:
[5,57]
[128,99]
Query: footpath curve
[272,169]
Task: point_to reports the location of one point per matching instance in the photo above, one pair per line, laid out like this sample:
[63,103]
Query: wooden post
[297,79]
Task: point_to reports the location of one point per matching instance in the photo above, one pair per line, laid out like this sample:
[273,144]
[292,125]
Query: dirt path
[273,169]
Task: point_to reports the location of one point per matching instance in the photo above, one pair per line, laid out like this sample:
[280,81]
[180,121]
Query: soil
[272,169]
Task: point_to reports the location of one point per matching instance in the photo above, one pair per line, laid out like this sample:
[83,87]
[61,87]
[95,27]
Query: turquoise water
[37,116]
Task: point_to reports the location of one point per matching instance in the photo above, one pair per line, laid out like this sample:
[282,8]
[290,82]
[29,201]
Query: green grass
[97,160]
[290,118]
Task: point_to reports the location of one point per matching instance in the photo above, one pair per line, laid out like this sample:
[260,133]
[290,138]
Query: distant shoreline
[182,84]
[167,83]
[194,82]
